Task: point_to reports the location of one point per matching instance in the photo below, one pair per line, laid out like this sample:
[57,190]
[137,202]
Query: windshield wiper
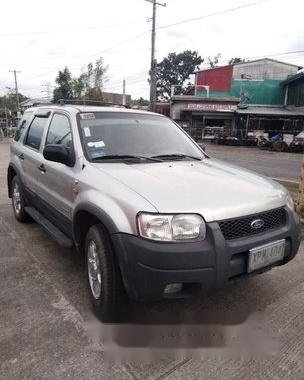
[177,156]
[125,157]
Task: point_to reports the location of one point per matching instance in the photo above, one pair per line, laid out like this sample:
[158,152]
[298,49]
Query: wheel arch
[87,215]
[12,171]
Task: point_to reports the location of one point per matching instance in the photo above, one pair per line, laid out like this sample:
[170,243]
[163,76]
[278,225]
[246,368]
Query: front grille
[240,227]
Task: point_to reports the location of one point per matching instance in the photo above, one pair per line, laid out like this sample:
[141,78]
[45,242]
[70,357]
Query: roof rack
[88,102]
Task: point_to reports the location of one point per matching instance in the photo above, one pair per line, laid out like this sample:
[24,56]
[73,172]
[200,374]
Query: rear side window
[60,131]
[23,125]
[35,132]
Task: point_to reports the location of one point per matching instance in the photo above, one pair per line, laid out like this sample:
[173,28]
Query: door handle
[42,168]
[21,156]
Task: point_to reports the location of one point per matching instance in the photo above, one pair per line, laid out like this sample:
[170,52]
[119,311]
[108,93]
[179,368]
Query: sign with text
[211,107]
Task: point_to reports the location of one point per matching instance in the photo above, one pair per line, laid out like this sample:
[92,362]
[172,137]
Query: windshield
[118,133]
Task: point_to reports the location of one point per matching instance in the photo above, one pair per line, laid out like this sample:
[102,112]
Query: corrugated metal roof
[249,62]
[293,78]
[269,111]
[267,59]
[192,98]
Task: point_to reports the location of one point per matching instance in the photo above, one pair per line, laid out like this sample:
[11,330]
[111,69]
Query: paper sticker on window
[87,132]
[87,116]
[96,144]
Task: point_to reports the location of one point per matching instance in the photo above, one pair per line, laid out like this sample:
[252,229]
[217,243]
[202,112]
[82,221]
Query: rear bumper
[147,266]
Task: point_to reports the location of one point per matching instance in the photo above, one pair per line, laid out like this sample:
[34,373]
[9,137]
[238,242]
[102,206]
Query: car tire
[106,289]
[18,201]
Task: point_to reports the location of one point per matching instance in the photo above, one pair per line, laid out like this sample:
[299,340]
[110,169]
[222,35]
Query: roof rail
[88,102]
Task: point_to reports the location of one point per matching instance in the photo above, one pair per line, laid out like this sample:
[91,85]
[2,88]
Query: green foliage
[175,69]
[9,103]
[88,86]
[213,61]
[235,60]
[141,102]
[64,89]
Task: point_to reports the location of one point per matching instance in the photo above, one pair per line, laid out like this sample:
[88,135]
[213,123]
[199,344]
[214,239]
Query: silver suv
[154,216]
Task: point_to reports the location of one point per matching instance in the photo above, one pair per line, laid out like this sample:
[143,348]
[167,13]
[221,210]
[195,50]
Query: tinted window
[22,125]
[35,132]
[60,131]
[107,133]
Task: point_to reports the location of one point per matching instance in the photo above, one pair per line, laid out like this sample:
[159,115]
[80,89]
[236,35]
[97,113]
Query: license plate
[265,255]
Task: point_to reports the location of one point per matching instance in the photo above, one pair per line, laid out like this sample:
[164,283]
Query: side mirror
[56,153]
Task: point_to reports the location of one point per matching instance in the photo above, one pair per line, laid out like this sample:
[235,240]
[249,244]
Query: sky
[38,38]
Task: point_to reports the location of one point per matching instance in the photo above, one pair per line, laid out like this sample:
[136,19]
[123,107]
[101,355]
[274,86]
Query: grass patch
[292,187]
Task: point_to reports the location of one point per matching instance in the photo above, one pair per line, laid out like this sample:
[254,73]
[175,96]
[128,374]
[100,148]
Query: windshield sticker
[87,116]
[97,154]
[96,144]
[87,131]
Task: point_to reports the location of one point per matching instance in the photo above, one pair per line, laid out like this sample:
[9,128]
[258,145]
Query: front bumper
[148,266]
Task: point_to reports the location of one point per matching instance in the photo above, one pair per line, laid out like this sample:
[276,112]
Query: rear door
[17,149]
[32,151]
[55,184]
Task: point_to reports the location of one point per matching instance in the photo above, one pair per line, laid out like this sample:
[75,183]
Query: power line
[213,14]
[98,53]
[33,33]
[163,27]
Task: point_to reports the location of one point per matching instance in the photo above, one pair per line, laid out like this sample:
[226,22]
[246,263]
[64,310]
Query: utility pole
[153,60]
[124,92]
[16,88]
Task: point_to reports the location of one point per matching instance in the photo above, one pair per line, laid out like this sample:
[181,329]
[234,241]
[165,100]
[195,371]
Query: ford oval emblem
[257,224]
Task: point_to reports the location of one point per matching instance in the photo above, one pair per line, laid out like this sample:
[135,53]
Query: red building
[218,79]
[163,108]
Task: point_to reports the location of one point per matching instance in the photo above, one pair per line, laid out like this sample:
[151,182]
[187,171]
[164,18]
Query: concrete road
[272,164]
[48,330]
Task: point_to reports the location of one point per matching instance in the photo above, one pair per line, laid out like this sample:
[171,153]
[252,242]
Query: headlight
[290,202]
[171,227]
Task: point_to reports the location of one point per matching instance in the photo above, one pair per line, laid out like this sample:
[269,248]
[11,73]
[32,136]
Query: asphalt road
[48,330]
[286,166]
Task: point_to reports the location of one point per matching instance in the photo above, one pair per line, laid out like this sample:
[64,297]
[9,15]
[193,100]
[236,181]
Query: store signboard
[211,107]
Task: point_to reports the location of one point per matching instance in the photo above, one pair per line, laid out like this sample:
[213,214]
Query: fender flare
[9,177]
[104,218]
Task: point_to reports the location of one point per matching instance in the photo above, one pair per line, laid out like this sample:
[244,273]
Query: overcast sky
[40,38]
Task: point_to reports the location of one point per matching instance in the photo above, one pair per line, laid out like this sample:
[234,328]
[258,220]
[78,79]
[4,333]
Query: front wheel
[104,279]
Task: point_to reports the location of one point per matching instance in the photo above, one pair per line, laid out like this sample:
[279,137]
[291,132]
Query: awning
[268,111]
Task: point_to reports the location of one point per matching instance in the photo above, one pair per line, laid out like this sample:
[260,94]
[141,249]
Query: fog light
[173,288]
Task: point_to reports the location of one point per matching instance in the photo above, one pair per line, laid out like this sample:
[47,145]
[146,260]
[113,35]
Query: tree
[8,103]
[78,87]
[88,85]
[235,60]
[64,90]
[213,61]
[175,69]
[141,102]
[94,78]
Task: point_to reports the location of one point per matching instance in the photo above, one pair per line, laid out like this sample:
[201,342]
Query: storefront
[269,121]
[201,115]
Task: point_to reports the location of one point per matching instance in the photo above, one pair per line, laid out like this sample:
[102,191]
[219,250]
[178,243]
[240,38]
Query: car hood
[214,189]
